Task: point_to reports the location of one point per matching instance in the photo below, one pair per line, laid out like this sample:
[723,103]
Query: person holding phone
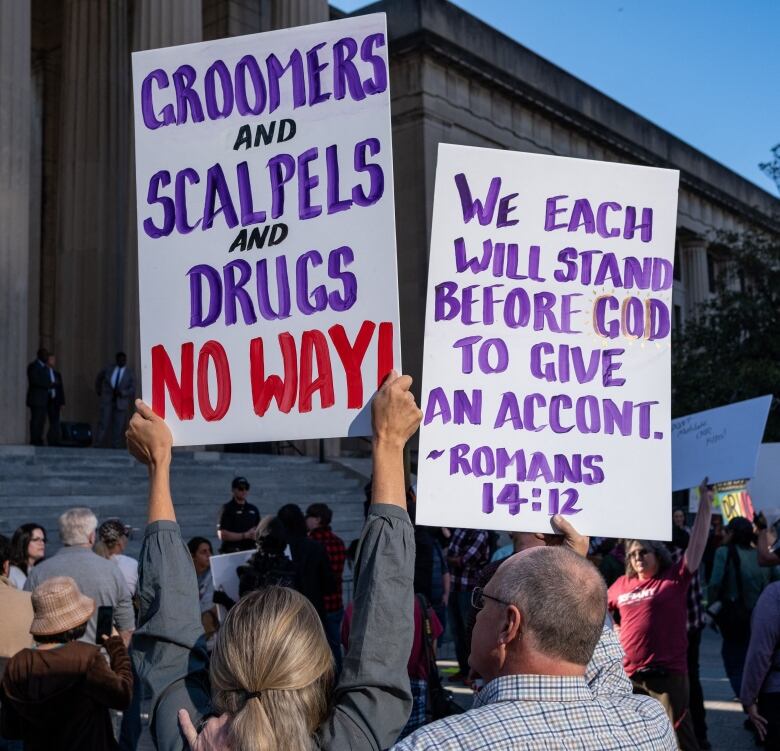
[56,696]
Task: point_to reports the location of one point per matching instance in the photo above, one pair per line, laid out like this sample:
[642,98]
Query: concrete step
[38,484]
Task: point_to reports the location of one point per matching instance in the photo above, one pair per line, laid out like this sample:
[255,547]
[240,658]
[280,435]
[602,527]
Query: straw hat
[59,606]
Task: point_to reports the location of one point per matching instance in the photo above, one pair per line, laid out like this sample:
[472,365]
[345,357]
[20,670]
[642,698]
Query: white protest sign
[266,235]
[224,573]
[546,375]
[765,485]
[720,444]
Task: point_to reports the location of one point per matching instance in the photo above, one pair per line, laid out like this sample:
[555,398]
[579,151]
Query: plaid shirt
[544,712]
[695,601]
[472,547]
[337,554]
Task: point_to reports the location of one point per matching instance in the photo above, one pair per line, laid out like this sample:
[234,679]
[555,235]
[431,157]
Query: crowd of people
[566,642]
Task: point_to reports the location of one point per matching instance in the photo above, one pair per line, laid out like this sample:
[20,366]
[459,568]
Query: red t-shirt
[653,619]
[417,665]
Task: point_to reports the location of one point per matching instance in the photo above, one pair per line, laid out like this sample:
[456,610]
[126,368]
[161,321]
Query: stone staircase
[38,483]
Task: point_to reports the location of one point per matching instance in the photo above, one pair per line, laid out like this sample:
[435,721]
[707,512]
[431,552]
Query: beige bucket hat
[59,606]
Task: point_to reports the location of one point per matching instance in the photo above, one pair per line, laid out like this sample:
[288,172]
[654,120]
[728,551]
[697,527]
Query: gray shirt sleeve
[373,700]
[124,615]
[169,649]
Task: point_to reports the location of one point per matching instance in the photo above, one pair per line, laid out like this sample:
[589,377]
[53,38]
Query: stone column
[287,13]
[696,275]
[93,195]
[155,24]
[166,24]
[15,124]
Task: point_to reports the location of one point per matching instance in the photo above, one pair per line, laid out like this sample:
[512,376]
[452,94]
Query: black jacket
[38,384]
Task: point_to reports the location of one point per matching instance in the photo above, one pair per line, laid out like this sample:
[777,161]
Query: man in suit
[56,401]
[115,386]
[38,384]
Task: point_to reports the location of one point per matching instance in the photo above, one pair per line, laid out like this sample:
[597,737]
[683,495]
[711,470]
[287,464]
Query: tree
[731,350]
[772,169]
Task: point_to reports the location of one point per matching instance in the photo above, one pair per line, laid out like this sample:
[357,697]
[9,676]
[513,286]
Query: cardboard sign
[266,236]
[547,370]
[721,444]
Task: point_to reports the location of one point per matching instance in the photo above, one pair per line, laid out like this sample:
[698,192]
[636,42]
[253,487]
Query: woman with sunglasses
[28,547]
[650,602]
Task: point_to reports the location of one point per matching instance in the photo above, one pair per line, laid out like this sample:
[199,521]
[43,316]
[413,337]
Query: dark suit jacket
[38,384]
[59,390]
[125,388]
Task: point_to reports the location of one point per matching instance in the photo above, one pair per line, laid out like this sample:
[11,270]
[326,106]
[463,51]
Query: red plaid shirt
[337,555]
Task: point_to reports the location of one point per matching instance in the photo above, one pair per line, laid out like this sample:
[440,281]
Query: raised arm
[149,440]
[169,649]
[700,529]
[372,699]
[395,418]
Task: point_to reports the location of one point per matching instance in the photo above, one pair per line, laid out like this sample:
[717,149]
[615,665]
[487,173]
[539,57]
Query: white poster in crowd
[266,236]
[546,377]
[224,574]
[721,444]
[765,485]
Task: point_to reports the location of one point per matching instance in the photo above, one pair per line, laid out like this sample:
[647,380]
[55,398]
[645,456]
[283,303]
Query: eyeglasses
[640,553]
[38,539]
[478,598]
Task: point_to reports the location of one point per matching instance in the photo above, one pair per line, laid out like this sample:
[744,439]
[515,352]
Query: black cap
[240,482]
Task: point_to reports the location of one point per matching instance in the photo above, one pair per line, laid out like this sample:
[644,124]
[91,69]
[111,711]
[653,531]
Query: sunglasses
[38,539]
[640,553]
[478,598]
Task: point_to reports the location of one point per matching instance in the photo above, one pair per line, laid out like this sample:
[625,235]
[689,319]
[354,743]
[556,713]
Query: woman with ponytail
[270,685]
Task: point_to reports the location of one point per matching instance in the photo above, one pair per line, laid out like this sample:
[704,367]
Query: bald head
[561,597]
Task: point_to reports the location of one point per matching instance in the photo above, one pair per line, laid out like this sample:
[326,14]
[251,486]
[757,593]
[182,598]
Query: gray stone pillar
[155,24]
[696,275]
[287,13]
[15,123]
[93,195]
[167,23]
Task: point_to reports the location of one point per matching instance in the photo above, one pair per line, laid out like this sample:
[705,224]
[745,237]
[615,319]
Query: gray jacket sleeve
[373,700]
[169,648]
[124,616]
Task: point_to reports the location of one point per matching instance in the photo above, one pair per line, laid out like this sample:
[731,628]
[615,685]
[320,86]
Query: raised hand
[148,438]
[395,415]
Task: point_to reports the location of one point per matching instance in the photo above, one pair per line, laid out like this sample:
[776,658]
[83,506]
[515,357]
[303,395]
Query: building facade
[68,246]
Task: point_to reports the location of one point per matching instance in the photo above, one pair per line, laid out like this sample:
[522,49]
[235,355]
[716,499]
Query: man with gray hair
[552,668]
[96,576]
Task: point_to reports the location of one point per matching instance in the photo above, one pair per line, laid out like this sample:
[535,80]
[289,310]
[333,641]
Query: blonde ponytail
[272,671]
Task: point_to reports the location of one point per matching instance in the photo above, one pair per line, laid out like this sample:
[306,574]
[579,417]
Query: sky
[707,71]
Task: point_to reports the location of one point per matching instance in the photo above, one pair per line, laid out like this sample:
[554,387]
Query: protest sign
[730,499]
[224,573]
[721,444]
[546,375]
[765,485]
[266,235]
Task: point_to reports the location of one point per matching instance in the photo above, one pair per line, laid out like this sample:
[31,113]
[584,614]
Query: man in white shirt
[115,386]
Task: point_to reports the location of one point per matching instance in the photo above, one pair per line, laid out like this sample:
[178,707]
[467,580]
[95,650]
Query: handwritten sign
[546,382]
[266,236]
[721,444]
